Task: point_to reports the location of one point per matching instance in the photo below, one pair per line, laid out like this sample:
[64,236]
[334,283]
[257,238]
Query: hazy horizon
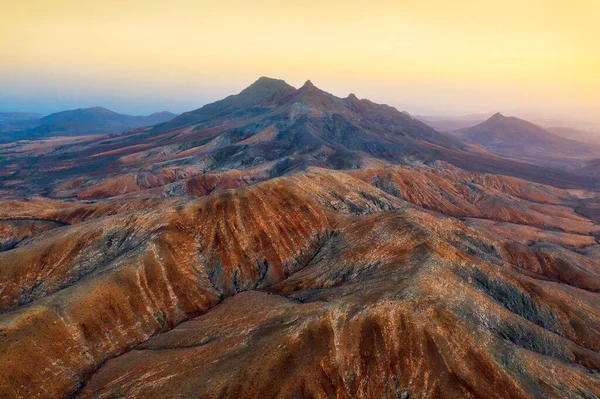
[462,58]
[539,117]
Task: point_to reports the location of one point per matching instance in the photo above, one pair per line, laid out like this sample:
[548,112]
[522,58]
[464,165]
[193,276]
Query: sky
[422,56]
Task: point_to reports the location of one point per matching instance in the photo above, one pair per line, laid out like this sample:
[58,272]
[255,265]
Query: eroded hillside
[427,282]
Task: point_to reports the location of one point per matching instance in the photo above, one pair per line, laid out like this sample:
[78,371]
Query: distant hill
[594,165]
[7,117]
[269,129]
[576,134]
[517,138]
[13,121]
[451,123]
[84,121]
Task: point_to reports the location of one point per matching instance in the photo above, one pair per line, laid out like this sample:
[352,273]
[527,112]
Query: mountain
[451,123]
[8,117]
[85,121]
[517,138]
[576,134]
[269,129]
[288,243]
[274,103]
[13,121]
[103,116]
[261,90]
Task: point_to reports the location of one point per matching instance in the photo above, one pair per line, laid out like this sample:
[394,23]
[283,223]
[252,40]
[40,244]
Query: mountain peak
[266,84]
[261,90]
[517,138]
[97,108]
[497,116]
[81,114]
[98,111]
[309,89]
[268,80]
[316,98]
[164,113]
[501,119]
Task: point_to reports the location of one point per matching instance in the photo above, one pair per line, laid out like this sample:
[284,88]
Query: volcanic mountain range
[269,129]
[285,243]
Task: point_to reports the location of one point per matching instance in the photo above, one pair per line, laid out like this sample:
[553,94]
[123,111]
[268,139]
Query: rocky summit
[288,243]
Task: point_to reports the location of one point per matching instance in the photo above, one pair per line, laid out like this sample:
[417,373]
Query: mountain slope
[448,124]
[324,283]
[12,121]
[576,134]
[308,115]
[269,129]
[261,90]
[8,117]
[517,138]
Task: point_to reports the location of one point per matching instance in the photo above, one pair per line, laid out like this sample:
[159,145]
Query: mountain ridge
[268,129]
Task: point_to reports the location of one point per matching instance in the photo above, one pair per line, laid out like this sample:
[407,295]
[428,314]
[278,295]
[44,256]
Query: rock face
[286,243]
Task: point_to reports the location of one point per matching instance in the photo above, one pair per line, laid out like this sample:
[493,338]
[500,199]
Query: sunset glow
[425,57]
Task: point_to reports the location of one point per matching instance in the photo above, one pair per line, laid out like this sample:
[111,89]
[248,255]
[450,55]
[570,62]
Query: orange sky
[424,56]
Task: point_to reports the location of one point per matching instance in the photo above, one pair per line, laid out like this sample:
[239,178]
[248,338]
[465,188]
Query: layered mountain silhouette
[576,134]
[269,129]
[14,121]
[83,121]
[447,124]
[11,117]
[517,138]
